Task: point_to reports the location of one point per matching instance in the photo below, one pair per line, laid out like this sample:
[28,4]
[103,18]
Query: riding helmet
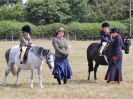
[26,28]
[105,24]
[115,30]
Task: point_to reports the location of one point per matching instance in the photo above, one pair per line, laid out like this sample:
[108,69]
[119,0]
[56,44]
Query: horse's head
[48,55]
[50,59]
[127,43]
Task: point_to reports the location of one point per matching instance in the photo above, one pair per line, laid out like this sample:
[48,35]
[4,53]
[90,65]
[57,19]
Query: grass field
[77,88]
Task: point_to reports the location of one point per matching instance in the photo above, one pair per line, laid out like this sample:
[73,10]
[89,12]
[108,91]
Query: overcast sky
[24,1]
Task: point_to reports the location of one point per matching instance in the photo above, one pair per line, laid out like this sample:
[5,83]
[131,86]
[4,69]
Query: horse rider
[105,36]
[25,43]
[114,72]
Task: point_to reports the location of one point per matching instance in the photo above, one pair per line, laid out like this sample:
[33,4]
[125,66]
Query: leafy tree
[14,12]
[9,2]
[81,11]
[47,11]
[111,9]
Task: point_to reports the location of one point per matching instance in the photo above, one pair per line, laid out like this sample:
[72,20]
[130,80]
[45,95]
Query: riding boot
[25,57]
[59,81]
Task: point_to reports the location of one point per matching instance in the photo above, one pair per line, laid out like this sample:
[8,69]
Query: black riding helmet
[105,24]
[115,30]
[26,28]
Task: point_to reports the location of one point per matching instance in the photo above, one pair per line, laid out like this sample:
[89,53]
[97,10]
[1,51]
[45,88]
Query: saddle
[24,50]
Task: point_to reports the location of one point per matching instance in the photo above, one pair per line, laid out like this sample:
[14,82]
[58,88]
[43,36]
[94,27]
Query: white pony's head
[48,55]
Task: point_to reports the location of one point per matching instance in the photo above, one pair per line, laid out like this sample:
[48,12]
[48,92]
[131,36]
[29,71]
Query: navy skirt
[62,68]
[114,72]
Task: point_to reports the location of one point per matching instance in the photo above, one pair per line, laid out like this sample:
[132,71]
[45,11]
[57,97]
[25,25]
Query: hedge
[81,30]
[8,28]
[45,30]
[88,30]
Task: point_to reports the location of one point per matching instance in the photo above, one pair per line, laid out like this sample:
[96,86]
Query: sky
[24,1]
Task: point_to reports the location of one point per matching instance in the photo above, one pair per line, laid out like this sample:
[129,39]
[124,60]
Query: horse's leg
[89,75]
[95,71]
[6,73]
[40,76]
[32,72]
[18,76]
[90,67]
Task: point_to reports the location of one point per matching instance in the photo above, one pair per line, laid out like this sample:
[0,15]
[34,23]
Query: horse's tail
[90,61]
[13,69]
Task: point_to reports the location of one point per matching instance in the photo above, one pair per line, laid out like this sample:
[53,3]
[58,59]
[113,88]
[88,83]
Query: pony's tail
[13,69]
[90,62]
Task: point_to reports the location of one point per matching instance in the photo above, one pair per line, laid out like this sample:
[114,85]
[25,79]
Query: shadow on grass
[46,84]
[82,82]
[26,85]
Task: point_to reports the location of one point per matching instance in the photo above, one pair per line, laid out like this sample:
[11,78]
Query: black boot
[65,80]
[59,81]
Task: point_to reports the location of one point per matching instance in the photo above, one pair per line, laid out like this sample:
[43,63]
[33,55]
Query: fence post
[75,38]
[12,38]
[68,36]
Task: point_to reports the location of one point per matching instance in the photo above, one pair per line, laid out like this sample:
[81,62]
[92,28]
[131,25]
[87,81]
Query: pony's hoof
[42,86]
[31,86]
[4,85]
[17,85]
[96,81]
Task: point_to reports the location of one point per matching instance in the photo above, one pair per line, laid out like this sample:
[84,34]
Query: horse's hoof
[42,86]
[17,84]
[96,81]
[31,86]
[4,85]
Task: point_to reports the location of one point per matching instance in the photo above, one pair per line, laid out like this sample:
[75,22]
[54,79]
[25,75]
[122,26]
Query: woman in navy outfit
[62,69]
[114,72]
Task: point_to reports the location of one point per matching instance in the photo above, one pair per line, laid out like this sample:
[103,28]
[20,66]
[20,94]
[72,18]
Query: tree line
[41,12]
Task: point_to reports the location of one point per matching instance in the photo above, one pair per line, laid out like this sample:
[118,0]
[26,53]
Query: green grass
[77,88]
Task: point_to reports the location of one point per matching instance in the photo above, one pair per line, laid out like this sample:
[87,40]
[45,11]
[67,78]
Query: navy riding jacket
[117,46]
[105,37]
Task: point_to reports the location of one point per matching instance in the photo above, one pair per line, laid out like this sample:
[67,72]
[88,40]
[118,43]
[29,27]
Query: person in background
[105,37]
[114,72]
[25,43]
[62,69]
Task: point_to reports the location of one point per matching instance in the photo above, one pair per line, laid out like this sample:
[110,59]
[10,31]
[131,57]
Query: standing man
[114,72]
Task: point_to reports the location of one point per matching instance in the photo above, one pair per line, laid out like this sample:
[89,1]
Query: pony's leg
[95,71]
[40,76]
[6,74]
[18,76]
[90,67]
[32,72]
[89,75]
